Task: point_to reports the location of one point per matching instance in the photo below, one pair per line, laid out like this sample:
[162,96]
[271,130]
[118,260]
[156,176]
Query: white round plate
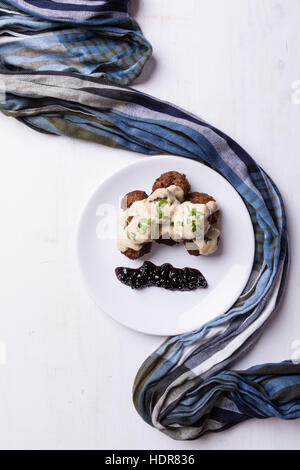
[154,310]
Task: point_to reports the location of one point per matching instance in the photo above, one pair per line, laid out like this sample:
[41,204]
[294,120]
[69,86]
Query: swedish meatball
[126,202]
[166,241]
[203,198]
[199,198]
[132,254]
[189,245]
[172,178]
[214,219]
[132,197]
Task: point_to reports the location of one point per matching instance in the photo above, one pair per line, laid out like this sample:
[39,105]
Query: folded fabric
[85,37]
[63,64]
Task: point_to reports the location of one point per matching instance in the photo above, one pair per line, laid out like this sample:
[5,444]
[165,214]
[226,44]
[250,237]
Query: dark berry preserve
[165,276]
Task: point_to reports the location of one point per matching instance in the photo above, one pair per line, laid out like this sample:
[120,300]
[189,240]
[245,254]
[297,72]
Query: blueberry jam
[165,276]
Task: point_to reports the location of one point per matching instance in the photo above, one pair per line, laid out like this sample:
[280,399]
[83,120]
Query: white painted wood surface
[69,368]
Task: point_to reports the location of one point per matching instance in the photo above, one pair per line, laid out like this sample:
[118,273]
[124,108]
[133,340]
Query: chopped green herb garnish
[194,228]
[194,212]
[163,203]
[179,223]
[142,227]
[159,211]
[207,239]
[146,221]
[159,207]
[131,235]
[199,215]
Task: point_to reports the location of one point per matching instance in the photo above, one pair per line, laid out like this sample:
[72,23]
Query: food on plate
[131,252]
[136,254]
[172,178]
[132,197]
[209,243]
[170,215]
[165,276]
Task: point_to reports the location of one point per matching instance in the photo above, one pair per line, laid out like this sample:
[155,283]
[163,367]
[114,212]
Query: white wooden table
[69,368]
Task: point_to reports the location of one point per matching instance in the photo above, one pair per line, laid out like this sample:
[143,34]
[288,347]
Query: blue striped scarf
[64,68]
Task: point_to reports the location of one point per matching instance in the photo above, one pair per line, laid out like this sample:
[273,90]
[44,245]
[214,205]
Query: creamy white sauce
[164,214]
